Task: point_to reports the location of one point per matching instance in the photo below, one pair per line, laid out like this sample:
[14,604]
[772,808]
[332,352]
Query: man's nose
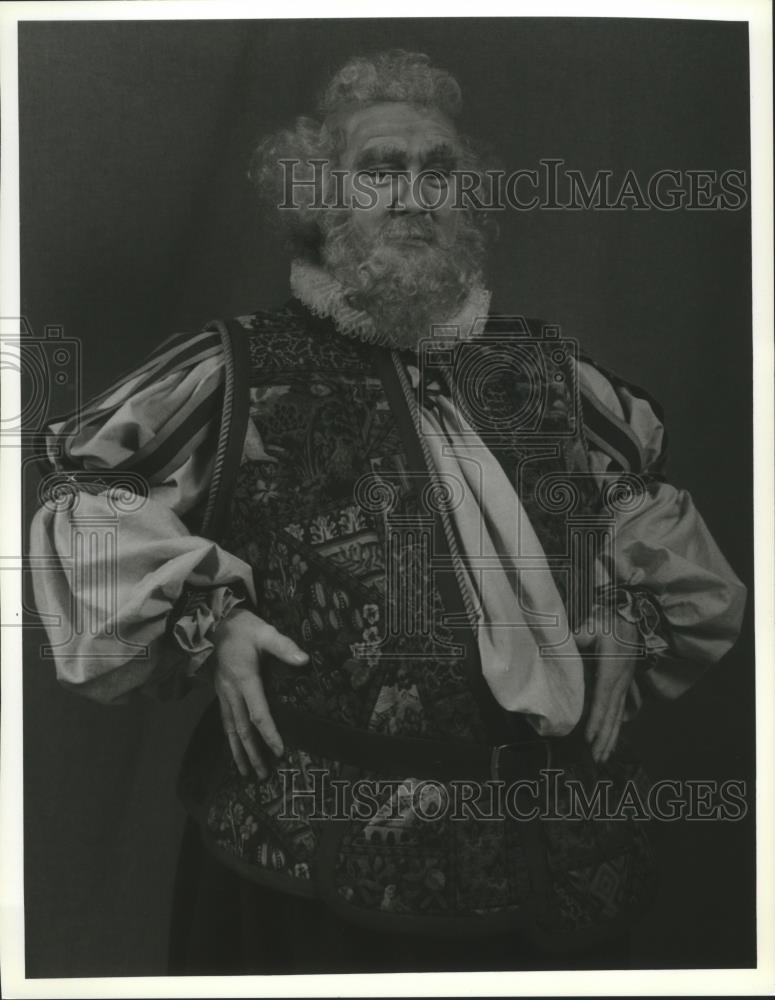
[408,194]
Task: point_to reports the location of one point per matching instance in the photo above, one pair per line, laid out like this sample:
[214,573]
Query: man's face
[408,257]
[404,155]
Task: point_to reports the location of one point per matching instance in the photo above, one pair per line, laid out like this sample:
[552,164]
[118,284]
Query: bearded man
[416,548]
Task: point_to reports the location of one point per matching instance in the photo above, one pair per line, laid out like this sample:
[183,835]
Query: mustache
[419,227]
[404,293]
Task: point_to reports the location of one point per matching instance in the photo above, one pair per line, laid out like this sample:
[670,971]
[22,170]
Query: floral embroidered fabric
[331,517]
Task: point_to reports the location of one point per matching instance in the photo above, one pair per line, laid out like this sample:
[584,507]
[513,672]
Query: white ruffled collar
[324,296]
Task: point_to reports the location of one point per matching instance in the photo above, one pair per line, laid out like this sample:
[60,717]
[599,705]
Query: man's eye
[437,175]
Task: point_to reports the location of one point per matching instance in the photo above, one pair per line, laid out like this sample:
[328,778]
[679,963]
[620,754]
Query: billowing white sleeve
[669,576]
[113,567]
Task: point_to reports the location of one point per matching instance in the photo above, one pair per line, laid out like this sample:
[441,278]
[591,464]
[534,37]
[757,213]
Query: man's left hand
[614,670]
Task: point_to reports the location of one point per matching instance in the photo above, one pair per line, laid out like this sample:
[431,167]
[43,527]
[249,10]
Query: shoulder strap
[613,435]
[236,403]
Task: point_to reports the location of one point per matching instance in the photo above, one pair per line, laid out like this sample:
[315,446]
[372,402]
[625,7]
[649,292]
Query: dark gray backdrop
[137,220]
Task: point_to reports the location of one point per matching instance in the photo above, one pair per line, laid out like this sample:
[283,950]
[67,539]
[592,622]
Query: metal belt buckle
[497,752]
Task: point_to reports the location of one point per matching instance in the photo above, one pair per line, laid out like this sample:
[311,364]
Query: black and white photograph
[386,451]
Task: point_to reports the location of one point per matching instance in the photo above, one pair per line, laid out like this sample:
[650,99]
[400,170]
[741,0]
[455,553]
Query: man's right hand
[240,642]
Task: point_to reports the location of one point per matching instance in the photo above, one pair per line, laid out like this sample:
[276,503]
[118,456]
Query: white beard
[405,288]
[324,296]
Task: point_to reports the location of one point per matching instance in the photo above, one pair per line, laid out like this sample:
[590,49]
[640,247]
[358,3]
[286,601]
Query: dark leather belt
[398,756]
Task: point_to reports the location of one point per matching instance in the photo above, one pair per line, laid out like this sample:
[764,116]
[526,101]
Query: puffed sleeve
[667,574]
[128,593]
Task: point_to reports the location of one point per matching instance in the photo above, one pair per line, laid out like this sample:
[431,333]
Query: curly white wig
[392,76]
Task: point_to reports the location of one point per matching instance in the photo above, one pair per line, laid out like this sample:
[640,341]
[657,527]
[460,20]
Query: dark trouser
[226,925]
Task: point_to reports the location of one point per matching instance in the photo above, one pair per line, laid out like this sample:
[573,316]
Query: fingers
[599,706]
[252,691]
[275,643]
[241,643]
[240,733]
[608,733]
[613,739]
[243,636]
[607,705]
[601,737]
[247,737]
[235,745]
[613,676]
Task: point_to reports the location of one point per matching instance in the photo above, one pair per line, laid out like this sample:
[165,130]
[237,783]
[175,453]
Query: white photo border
[730,982]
